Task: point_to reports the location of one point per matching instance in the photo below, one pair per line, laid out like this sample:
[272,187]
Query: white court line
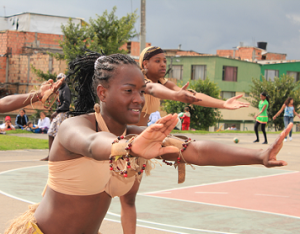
[219,182]
[159,229]
[269,195]
[20,168]
[212,192]
[33,160]
[180,227]
[138,220]
[233,207]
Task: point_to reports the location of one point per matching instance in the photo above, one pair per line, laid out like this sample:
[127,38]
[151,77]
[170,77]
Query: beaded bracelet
[124,157]
[180,156]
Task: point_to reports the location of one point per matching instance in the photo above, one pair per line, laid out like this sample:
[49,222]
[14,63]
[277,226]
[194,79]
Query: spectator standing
[262,116]
[289,112]
[154,117]
[44,123]
[21,119]
[64,101]
[186,119]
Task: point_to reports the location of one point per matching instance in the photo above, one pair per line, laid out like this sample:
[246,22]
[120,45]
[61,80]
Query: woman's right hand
[149,143]
[274,117]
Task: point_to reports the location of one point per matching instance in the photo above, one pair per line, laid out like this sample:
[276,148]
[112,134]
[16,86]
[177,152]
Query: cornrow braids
[88,71]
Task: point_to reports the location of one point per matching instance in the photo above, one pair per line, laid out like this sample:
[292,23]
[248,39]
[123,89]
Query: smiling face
[123,98]
[156,66]
[22,113]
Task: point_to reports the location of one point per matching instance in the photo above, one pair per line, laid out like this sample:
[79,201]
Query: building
[271,69]
[233,76]
[251,53]
[25,40]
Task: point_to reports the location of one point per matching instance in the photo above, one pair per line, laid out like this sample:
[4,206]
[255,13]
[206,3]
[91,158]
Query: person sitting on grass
[7,126]
[21,119]
[33,128]
[44,122]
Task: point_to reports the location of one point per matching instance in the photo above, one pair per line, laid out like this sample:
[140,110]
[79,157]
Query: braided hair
[90,70]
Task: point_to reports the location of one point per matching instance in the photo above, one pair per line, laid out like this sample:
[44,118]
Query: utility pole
[143,26]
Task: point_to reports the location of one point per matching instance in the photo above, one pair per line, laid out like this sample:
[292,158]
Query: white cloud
[294,18]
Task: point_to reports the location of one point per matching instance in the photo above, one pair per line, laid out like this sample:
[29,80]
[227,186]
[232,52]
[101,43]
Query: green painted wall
[283,68]
[214,70]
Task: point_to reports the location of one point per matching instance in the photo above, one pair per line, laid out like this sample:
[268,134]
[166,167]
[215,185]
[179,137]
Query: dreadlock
[90,70]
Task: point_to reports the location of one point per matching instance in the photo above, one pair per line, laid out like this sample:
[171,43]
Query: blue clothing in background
[289,111]
[154,117]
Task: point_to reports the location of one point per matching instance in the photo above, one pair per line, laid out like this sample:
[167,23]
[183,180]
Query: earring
[144,71]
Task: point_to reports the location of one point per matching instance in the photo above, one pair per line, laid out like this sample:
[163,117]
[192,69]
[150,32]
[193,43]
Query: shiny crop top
[87,176]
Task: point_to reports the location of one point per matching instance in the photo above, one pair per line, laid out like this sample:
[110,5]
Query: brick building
[25,40]
[251,53]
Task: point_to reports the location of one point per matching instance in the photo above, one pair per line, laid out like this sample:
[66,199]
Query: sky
[200,25]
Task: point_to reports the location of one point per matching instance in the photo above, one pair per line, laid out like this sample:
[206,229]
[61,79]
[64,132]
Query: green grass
[18,131]
[15,143]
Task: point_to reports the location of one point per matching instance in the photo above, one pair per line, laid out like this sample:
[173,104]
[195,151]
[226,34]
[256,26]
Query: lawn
[15,143]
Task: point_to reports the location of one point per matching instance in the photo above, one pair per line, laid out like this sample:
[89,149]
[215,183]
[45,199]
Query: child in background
[31,127]
[186,119]
[7,125]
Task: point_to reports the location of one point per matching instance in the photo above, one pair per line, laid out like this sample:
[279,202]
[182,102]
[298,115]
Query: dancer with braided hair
[89,164]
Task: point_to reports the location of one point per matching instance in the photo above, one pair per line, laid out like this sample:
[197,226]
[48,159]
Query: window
[176,72]
[229,73]
[227,95]
[271,74]
[296,75]
[198,72]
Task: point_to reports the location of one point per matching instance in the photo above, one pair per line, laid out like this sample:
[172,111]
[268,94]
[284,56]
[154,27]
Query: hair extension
[88,71]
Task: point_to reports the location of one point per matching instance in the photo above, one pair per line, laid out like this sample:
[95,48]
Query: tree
[201,117]
[278,90]
[106,33]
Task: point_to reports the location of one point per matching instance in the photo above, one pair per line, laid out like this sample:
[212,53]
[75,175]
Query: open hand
[183,95]
[50,87]
[269,155]
[148,143]
[233,103]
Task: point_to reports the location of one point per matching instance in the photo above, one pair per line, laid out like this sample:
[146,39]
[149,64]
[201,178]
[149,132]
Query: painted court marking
[275,194]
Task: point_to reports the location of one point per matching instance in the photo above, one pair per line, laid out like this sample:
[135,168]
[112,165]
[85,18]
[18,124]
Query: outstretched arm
[77,135]
[295,113]
[208,101]
[205,153]
[279,112]
[162,92]
[13,102]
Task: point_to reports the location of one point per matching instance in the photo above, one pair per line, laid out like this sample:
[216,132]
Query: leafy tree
[201,117]
[105,33]
[278,90]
